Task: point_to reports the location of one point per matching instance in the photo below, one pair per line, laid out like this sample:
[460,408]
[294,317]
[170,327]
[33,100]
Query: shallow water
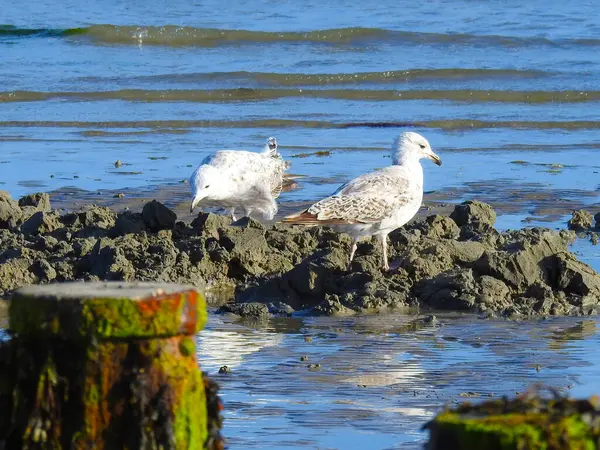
[381,377]
[507,93]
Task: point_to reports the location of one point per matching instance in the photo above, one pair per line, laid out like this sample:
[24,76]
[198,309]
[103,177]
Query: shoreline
[455,261]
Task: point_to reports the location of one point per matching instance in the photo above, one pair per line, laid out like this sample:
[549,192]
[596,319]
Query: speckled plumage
[376,203]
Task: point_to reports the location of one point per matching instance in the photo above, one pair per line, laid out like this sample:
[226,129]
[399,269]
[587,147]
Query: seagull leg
[354,242]
[384,262]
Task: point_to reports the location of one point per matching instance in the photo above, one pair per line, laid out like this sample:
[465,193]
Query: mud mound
[459,262]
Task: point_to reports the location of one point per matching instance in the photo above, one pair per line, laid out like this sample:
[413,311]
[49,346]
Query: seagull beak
[435,158]
[194,203]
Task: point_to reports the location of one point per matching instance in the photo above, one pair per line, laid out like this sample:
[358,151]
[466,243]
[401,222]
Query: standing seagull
[376,203]
[238,179]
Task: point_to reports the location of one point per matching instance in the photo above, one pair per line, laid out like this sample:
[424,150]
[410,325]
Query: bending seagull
[238,179]
[376,203]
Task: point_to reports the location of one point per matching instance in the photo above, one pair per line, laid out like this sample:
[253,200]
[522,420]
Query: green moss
[183,313]
[516,431]
[187,346]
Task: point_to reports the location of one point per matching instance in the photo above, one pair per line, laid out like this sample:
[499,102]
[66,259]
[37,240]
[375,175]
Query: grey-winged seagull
[239,179]
[376,203]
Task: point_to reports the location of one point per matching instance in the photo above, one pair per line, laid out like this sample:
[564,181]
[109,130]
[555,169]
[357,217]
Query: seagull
[376,203]
[238,179]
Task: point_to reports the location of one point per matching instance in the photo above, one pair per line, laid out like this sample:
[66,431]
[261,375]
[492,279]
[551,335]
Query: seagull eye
[208,185]
[422,146]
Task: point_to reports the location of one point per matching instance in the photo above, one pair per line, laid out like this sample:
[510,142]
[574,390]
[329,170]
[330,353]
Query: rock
[157,216]
[43,270]
[10,212]
[456,290]
[597,219]
[206,224]
[128,223]
[580,221]
[493,293]
[523,260]
[15,273]
[98,217]
[475,215]
[280,309]
[575,277]
[439,227]
[39,201]
[40,223]
[253,310]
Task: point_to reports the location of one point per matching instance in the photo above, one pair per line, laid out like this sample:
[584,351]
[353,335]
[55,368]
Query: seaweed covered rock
[529,421]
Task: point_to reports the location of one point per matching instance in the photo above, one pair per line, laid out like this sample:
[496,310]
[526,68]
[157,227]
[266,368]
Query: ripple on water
[381,377]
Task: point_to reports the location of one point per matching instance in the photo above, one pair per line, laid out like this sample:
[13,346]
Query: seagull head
[411,145]
[205,185]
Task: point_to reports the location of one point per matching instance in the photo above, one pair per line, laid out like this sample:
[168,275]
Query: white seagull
[238,179]
[376,203]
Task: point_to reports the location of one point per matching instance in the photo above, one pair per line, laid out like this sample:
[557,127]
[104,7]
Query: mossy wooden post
[106,365]
[526,422]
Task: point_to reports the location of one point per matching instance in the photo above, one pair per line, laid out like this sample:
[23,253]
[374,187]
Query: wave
[326,79]
[183,36]
[254,95]
[451,124]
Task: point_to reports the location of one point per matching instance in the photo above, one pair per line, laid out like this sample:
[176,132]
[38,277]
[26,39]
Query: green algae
[527,422]
[174,314]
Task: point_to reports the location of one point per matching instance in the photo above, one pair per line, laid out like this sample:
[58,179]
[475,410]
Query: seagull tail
[306,218]
[302,217]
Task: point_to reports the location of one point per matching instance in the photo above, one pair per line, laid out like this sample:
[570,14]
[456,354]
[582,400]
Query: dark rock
[39,201]
[580,221]
[40,223]
[253,310]
[597,219]
[475,215]
[157,216]
[128,223]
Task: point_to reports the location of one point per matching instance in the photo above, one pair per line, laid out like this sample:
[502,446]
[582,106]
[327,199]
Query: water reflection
[380,377]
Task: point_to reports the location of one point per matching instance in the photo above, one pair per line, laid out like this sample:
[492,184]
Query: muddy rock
[458,263]
[39,202]
[474,215]
[10,212]
[455,290]
[580,221]
[128,223]
[97,217]
[157,216]
[252,310]
[40,223]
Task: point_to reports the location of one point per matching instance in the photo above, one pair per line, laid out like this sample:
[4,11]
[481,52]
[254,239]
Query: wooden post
[526,422]
[106,365]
